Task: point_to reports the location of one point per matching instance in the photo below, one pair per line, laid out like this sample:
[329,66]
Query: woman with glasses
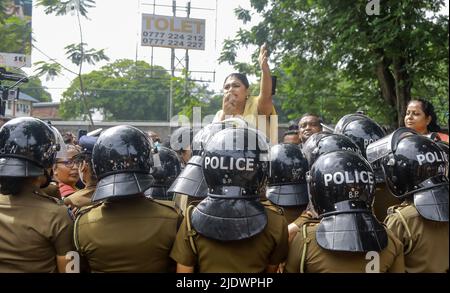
[65,171]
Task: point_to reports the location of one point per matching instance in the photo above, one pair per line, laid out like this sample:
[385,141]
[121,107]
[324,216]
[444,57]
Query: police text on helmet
[429,157]
[348,177]
[240,164]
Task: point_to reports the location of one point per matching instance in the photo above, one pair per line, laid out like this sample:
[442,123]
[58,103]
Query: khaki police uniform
[426,242]
[249,255]
[133,234]
[34,229]
[319,260]
[80,198]
[382,201]
[293,212]
[53,190]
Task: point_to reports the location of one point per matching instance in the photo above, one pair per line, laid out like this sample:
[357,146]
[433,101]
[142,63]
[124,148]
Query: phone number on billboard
[173,40]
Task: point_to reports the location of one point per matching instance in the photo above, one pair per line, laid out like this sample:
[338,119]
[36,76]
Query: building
[20,107]
[46,111]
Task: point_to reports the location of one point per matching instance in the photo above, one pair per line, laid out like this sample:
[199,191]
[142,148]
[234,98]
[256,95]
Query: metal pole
[172,67]
[186,58]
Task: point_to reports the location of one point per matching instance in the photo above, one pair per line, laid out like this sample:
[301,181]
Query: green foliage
[332,58]
[129,90]
[78,54]
[35,89]
[15,34]
[61,7]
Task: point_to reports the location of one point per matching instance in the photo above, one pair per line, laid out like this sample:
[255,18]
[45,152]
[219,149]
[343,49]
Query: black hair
[12,185]
[241,77]
[293,124]
[428,109]
[311,114]
[290,132]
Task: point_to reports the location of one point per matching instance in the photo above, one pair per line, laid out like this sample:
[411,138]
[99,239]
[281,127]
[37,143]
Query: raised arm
[265,92]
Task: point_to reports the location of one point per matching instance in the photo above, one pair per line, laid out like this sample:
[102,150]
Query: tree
[77,53]
[334,57]
[122,90]
[35,89]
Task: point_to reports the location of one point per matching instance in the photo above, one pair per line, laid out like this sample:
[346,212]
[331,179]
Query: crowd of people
[228,198]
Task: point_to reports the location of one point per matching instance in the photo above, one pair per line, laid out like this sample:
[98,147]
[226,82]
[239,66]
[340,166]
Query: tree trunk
[386,80]
[402,87]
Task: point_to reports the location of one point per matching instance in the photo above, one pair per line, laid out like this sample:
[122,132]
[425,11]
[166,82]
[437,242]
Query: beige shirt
[250,255]
[319,260]
[34,229]
[128,235]
[270,127]
[429,249]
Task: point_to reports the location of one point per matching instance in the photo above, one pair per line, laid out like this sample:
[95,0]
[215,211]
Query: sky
[115,25]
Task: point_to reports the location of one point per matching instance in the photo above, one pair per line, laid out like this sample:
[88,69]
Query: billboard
[15,33]
[173,32]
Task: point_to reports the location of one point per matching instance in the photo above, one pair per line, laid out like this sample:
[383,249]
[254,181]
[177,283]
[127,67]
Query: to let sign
[173,32]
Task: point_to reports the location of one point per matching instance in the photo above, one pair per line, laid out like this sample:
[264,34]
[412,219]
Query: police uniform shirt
[80,198]
[292,213]
[34,229]
[382,201]
[429,249]
[250,255]
[127,235]
[319,260]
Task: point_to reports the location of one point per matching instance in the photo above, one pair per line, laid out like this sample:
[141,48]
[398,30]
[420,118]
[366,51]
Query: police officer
[341,186]
[363,131]
[83,160]
[36,230]
[286,185]
[164,174]
[231,230]
[125,231]
[414,168]
[190,186]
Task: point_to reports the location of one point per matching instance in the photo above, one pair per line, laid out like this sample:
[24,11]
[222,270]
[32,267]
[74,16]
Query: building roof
[45,104]
[25,97]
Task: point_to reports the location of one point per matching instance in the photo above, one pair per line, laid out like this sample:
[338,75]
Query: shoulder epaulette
[50,198]
[274,208]
[85,209]
[168,203]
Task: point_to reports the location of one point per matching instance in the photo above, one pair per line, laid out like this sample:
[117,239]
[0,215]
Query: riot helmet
[235,168]
[122,161]
[363,131]
[28,146]
[287,176]
[341,187]
[191,181]
[414,166]
[164,174]
[324,142]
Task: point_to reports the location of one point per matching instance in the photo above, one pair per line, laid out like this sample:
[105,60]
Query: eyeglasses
[68,163]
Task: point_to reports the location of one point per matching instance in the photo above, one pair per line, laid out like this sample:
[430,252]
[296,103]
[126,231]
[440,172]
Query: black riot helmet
[27,147]
[235,168]
[363,131]
[342,186]
[324,142]
[122,160]
[287,176]
[191,181]
[164,174]
[414,166]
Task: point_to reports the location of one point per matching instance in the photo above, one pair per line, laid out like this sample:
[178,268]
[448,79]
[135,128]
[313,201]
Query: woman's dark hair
[12,185]
[241,77]
[428,109]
